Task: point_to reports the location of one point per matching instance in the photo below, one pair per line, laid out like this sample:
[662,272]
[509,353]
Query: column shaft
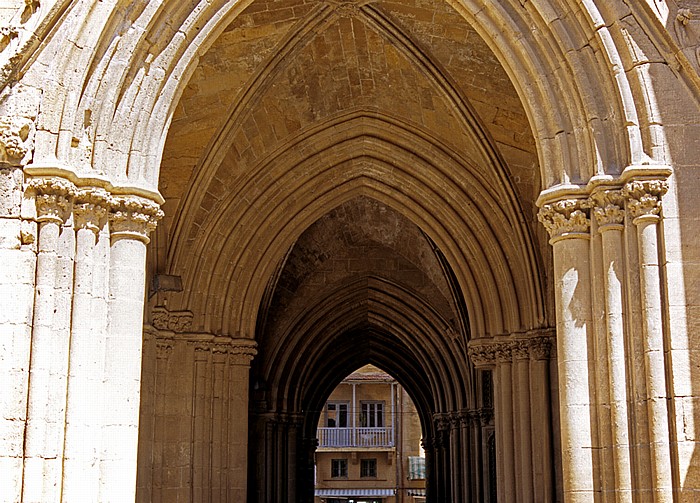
[572,284]
[613,276]
[122,374]
[81,462]
[540,407]
[524,426]
[46,401]
[505,427]
[662,482]
[239,369]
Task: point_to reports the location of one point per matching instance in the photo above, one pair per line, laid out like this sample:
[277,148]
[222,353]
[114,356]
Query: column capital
[540,348]
[644,198]
[483,355]
[242,351]
[90,208]
[442,421]
[134,217]
[608,208]
[521,349]
[53,197]
[566,218]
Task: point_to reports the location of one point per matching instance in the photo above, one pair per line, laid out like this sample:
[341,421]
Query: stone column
[457,465]
[241,353]
[540,410]
[44,434]
[81,472]
[505,433]
[568,225]
[131,220]
[521,358]
[609,213]
[644,205]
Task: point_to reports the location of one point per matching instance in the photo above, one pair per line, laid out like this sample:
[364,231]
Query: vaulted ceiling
[324,154]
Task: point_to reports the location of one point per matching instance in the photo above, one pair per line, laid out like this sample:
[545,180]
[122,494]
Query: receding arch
[368,162]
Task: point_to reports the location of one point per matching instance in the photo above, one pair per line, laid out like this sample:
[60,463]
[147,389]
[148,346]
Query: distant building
[369,438]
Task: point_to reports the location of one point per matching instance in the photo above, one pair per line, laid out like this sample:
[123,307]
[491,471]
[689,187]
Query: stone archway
[252,122]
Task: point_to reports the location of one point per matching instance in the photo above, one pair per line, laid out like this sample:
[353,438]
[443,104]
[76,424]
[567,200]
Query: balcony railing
[356,437]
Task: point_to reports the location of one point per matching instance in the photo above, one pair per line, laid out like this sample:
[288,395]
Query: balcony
[355,437]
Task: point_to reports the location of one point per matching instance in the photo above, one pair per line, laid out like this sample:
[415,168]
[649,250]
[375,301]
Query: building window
[339,468]
[337,415]
[368,468]
[372,414]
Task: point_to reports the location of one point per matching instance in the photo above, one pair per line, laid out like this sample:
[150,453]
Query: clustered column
[613,386]
[82,409]
[522,414]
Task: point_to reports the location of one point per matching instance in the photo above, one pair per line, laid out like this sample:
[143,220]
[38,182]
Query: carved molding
[174,321]
[686,27]
[134,217]
[644,198]
[491,353]
[565,218]
[608,209]
[53,198]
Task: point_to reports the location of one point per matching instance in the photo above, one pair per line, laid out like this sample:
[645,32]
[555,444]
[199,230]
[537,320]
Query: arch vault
[212,211]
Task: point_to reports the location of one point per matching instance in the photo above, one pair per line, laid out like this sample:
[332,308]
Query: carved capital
[482,355]
[442,421]
[521,350]
[15,140]
[174,321]
[565,218]
[540,348]
[608,208]
[134,217]
[242,351]
[644,198]
[53,197]
[90,208]
[163,348]
[504,352]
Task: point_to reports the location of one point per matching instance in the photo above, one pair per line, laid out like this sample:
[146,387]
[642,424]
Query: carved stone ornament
[482,355]
[608,209]
[242,351]
[504,352]
[540,348]
[15,140]
[644,197]
[134,217]
[90,208]
[442,421]
[567,217]
[174,321]
[53,198]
